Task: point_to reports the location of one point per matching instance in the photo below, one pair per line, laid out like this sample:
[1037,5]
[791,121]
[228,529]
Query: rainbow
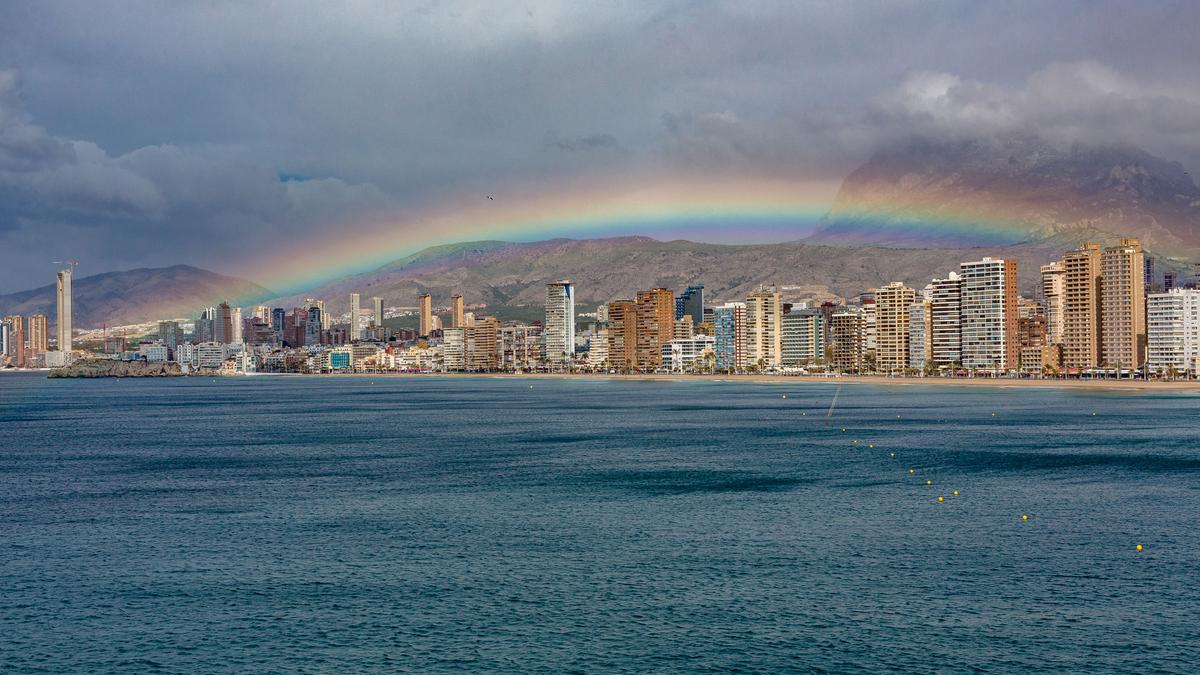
[721,209]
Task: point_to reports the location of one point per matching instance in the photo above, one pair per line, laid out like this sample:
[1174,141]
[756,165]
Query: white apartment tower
[989,314]
[64,310]
[945,320]
[560,322]
[1173,331]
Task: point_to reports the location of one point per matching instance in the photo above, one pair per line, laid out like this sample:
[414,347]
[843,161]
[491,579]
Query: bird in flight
[490,198]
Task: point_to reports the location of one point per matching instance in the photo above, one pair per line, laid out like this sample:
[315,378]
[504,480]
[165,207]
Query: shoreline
[1002,383]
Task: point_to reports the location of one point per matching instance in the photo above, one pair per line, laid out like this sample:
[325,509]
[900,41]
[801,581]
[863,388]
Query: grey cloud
[191,110]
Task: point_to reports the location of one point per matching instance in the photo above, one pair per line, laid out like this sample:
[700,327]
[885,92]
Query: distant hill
[138,295]
[1036,190]
[514,274]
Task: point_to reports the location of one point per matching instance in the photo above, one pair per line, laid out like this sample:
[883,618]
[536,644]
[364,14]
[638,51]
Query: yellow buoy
[911,471]
[993,414]
[1139,547]
[897,417]
[1024,517]
[1093,414]
[929,482]
[956,493]
[785,395]
[893,454]
[843,429]
[871,445]
[940,500]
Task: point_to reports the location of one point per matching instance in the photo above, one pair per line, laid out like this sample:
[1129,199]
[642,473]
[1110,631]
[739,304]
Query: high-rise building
[170,334]
[920,334]
[454,349]
[1122,305]
[1169,280]
[989,314]
[235,322]
[479,344]
[892,304]
[1173,331]
[655,325]
[223,324]
[5,340]
[729,333]
[65,331]
[1081,307]
[848,345]
[803,339]
[622,334]
[764,335]
[456,311]
[355,315]
[312,325]
[1031,323]
[1053,295]
[946,321]
[684,329]
[16,334]
[377,311]
[326,318]
[278,315]
[39,336]
[424,315]
[560,322]
[869,317]
[263,313]
[691,302]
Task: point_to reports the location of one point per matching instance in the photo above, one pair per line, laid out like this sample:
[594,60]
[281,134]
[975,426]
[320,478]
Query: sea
[458,524]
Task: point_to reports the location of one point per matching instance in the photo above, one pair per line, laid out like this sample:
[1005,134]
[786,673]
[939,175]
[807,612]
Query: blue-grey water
[428,524]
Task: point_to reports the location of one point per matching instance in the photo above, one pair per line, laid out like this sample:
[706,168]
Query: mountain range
[911,212]
[117,298]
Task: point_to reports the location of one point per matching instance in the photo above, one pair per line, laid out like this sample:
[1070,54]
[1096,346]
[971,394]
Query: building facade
[560,323]
[892,306]
[1173,331]
[655,325]
[1123,305]
[989,314]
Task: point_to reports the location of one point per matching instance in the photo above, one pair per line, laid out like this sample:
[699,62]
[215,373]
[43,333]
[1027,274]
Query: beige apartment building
[892,304]
[1122,305]
[1081,307]
[764,327]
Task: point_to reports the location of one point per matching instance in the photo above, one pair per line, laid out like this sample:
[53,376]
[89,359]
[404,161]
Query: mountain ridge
[136,295]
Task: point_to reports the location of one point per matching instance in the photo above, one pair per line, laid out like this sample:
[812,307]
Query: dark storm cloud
[154,133]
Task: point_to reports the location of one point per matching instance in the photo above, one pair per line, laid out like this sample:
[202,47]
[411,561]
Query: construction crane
[72,263]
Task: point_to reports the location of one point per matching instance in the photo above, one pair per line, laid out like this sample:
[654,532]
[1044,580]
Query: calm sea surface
[349,524]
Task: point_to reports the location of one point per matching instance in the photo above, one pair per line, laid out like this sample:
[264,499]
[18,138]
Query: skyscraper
[377,310]
[1081,307]
[803,338]
[560,322]
[946,320]
[65,333]
[171,335]
[16,336]
[223,324]
[848,343]
[39,336]
[1173,331]
[1122,305]
[691,302]
[729,331]
[1053,295]
[989,314]
[456,311]
[655,325]
[622,334]
[278,315]
[355,312]
[236,326]
[764,334]
[892,303]
[424,315]
[920,334]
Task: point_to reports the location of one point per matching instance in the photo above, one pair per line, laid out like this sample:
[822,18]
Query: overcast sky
[147,134]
